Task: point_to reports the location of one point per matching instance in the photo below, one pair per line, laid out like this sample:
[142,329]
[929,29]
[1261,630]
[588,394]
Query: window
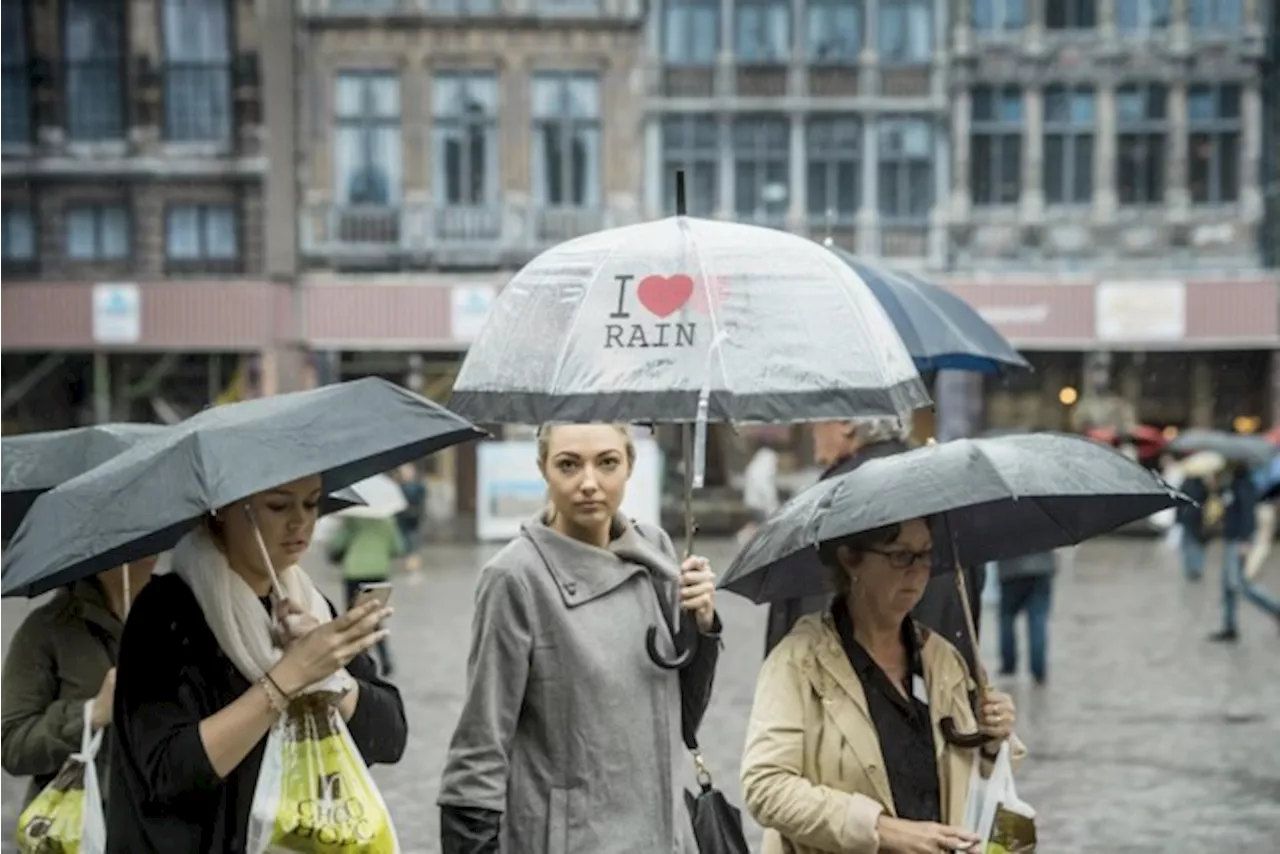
[195,233]
[905,34]
[98,232]
[93,36]
[367,147]
[1071,14]
[906,168]
[18,240]
[566,139]
[996,157]
[691,142]
[15,99]
[761,168]
[466,137]
[1213,114]
[834,146]
[1141,16]
[197,71]
[690,32]
[762,31]
[834,31]
[1068,145]
[1140,144]
[991,16]
[1209,15]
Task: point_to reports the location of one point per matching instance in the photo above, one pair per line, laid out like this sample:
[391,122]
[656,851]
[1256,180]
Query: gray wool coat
[568,729]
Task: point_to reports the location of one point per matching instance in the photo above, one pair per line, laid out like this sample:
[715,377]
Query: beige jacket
[812,773]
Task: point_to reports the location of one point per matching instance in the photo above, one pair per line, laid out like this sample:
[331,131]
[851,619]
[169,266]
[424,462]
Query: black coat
[165,795]
[940,607]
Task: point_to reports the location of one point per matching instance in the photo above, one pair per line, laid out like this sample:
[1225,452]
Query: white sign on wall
[510,490]
[117,314]
[1140,311]
[470,307]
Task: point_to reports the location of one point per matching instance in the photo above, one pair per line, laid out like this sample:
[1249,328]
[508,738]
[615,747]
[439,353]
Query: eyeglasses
[905,559]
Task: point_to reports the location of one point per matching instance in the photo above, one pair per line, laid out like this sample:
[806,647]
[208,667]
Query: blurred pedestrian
[410,519]
[1238,525]
[63,654]
[1200,522]
[569,737]
[844,747]
[1026,585]
[760,488]
[366,549]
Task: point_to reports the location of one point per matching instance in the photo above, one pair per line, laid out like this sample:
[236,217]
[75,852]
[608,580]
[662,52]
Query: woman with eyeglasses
[844,750]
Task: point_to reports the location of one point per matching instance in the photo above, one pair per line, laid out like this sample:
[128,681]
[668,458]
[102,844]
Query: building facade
[1108,203]
[824,117]
[132,206]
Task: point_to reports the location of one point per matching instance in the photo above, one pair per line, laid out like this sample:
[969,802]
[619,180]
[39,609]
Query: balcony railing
[622,10]
[446,235]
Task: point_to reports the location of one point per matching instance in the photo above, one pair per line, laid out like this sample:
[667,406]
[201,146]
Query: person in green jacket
[366,549]
[62,655]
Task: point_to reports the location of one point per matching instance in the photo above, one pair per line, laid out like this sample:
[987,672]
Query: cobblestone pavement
[1147,738]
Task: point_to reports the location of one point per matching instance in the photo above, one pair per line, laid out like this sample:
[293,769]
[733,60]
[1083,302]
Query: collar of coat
[584,572]
[87,600]
[827,668]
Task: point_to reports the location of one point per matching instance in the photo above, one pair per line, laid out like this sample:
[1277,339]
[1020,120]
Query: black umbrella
[941,331]
[997,498]
[1252,451]
[34,463]
[141,502]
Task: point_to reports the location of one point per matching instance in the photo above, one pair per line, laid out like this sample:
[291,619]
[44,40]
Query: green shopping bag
[66,817]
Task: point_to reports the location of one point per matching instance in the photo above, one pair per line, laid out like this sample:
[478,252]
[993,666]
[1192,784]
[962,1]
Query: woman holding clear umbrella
[569,736]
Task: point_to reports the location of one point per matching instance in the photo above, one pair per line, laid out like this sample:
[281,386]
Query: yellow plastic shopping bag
[1005,824]
[66,817]
[314,793]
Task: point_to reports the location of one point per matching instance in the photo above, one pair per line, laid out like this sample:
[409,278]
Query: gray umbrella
[1252,451]
[650,322]
[34,463]
[141,502]
[1002,498]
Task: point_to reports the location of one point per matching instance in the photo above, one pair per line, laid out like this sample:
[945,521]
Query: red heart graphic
[664,295]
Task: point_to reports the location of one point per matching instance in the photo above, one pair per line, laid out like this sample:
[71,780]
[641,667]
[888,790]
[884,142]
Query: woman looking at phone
[208,660]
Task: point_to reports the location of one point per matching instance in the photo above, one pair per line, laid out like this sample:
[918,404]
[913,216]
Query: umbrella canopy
[141,502]
[1002,497]
[1268,480]
[941,331]
[34,463]
[645,323]
[383,498]
[1252,451]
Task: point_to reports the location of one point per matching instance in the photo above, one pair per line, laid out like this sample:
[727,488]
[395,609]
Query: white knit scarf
[236,617]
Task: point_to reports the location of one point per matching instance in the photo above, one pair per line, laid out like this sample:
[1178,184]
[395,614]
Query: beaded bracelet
[277,699]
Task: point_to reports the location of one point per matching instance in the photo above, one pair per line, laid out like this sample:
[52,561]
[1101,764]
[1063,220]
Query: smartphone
[380,590]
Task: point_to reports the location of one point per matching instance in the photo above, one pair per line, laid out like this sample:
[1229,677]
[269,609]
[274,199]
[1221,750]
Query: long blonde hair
[544,450]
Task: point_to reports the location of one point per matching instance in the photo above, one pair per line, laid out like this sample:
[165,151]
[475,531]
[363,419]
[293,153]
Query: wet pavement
[1147,739]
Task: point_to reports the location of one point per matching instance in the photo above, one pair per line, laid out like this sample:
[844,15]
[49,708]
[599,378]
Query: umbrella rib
[714,346]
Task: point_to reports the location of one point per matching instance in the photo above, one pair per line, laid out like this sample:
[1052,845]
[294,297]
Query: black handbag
[717,824]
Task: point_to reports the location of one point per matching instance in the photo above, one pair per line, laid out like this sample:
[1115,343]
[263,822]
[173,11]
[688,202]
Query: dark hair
[858,544]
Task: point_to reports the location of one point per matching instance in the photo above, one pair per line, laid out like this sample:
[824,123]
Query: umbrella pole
[266,557]
[124,585]
[684,632]
[948,724]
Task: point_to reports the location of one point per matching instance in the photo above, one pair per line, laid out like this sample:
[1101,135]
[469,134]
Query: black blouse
[165,795]
[903,725]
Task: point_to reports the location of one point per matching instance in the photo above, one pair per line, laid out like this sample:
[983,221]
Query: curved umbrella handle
[952,735]
[685,640]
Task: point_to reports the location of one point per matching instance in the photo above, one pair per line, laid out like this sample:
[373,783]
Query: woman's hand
[292,623]
[900,836]
[327,648]
[698,591]
[102,711]
[997,716]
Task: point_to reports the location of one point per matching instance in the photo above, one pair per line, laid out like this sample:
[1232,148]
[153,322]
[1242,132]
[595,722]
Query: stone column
[1032,204]
[957,396]
[1202,397]
[1177,194]
[938,214]
[1251,134]
[725,67]
[798,207]
[727,202]
[1105,192]
[654,173]
[869,213]
[961,188]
